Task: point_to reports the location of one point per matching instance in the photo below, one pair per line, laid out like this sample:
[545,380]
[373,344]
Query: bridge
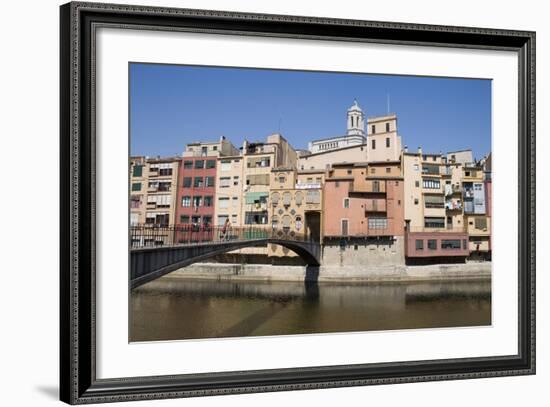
[158,250]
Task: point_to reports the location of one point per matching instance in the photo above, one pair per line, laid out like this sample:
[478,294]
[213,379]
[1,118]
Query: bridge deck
[150,263]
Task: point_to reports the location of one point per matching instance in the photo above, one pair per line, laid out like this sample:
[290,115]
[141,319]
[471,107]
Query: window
[430,169]
[187,165]
[222,219]
[165,171]
[236,180]
[372,169]
[199,164]
[373,144]
[211,164]
[431,183]
[257,179]
[274,222]
[209,181]
[162,185]
[349,172]
[185,201]
[434,201]
[313,197]
[258,162]
[432,244]
[387,131]
[275,198]
[256,218]
[344,227]
[197,201]
[286,222]
[387,142]
[286,198]
[184,219]
[373,129]
[225,165]
[187,182]
[223,203]
[282,179]
[196,219]
[416,167]
[198,183]
[481,223]
[299,197]
[204,150]
[430,222]
[136,186]
[138,171]
[417,184]
[416,201]
[448,244]
[388,170]
[225,182]
[162,219]
[134,219]
[419,244]
[377,223]
[208,201]
[158,201]
[135,201]
[207,220]
[346,203]
[235,201]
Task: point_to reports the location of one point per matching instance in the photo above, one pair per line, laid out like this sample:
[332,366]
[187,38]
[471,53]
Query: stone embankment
[267,272]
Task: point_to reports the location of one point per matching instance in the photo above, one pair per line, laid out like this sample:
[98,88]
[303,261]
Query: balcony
[375,205]
[368,186]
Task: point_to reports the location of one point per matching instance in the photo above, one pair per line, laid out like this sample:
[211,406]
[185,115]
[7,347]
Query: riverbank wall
[267,272]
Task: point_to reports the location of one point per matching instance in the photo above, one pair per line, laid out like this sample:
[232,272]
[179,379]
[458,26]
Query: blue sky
[172,105]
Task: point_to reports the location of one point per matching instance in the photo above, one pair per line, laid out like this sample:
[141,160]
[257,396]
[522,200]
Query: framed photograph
[255,203]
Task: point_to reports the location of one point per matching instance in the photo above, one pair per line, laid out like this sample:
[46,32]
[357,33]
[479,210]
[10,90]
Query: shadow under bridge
[156,251]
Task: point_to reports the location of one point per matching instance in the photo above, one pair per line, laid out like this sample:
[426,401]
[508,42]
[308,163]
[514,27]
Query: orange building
[364,212]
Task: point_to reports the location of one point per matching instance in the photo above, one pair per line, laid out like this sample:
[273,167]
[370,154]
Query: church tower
[356,121]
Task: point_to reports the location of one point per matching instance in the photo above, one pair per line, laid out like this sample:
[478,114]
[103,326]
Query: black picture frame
[78,382]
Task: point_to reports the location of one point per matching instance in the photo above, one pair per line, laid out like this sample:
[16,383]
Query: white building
[355,134]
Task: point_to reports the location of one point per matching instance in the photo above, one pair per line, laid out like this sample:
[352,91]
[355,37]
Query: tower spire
[356,120]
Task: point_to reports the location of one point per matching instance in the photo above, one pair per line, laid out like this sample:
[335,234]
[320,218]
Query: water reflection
[176,308]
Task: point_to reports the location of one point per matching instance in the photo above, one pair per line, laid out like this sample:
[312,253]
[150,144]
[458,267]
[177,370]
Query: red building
[196,192]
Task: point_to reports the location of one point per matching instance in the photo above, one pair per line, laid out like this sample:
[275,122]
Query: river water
[173,308]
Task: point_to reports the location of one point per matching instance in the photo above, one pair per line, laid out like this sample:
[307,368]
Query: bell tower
[356,121]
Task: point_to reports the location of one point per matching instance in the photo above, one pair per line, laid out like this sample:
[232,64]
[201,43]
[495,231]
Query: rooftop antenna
[279,130]
[388,102]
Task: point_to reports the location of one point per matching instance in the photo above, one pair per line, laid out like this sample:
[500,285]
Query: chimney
[419,150]
[406,149]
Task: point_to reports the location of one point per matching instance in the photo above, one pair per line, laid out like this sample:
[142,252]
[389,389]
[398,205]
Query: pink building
[357,204]
[442,244]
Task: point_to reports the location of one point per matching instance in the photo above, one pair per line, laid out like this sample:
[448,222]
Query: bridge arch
[150,263]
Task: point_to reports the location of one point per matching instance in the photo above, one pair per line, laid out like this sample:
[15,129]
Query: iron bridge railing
[142,236]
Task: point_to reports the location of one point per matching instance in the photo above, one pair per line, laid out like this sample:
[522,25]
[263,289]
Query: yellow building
[153,189]
[295,206]
[476,217]
[229,190]
[383,141]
